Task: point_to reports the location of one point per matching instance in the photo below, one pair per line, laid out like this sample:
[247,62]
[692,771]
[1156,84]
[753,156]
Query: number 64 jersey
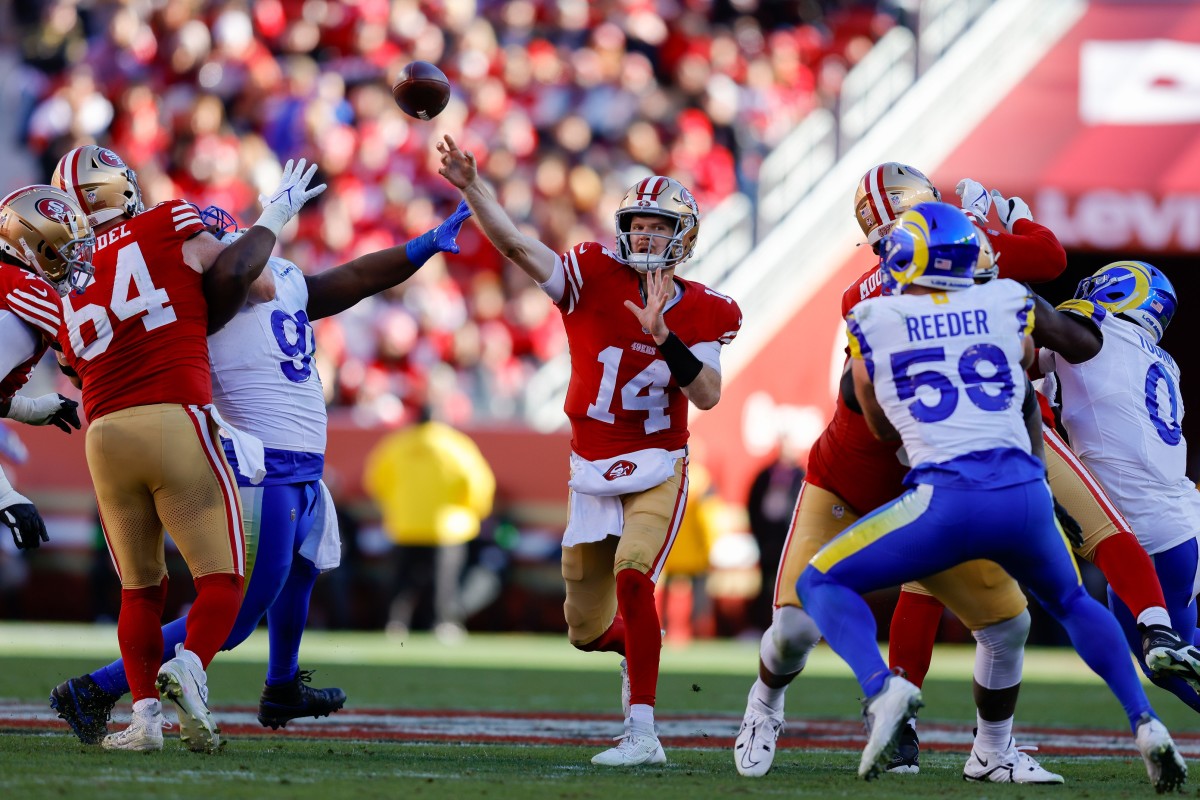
[622,397]
[1123,411]
[138,334]
[947,373]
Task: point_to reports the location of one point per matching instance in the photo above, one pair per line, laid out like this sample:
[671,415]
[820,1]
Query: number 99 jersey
[265,383]
[1124,413]
[947,373]
[137,336]
[622,397]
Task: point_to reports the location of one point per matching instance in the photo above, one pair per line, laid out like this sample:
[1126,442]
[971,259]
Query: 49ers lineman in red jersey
[136,338]
[632,377]
[45,249]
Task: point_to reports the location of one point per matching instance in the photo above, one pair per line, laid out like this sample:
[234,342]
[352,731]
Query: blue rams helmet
[217,220]
[1134,290]
[932,244]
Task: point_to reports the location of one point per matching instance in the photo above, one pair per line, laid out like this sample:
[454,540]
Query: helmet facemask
[673,247]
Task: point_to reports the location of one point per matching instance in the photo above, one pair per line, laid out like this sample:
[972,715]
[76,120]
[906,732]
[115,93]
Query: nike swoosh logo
[39,290]
[981,761]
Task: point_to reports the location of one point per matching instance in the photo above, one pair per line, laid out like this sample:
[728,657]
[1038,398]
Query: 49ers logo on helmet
[53,209]
[621,469]
[110,158]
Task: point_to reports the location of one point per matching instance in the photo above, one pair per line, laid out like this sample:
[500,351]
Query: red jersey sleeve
[32,299]
[581,262]
[1030,254]
[185,218]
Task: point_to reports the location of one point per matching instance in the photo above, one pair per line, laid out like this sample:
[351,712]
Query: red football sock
[611,641]
[914,629]
[218,598]
[643,637]
[1129,571]
[139,635]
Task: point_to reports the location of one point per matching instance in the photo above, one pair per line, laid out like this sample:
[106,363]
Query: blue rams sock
[286,619]
[111,678]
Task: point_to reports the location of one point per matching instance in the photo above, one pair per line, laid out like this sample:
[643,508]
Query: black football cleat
[85,707]
[1166,654]
[285,702]
[907,760]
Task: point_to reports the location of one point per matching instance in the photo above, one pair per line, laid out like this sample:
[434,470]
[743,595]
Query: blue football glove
[439,240]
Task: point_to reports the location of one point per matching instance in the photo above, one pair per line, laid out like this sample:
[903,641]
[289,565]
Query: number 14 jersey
[138,334]
[622,397]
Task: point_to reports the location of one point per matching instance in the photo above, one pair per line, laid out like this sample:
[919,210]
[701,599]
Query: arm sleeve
[20,343]
[1030,254]
[556,285]
[709,354]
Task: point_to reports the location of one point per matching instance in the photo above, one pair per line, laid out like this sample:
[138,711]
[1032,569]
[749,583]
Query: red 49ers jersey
[622,396]
[36,303]
[138,334]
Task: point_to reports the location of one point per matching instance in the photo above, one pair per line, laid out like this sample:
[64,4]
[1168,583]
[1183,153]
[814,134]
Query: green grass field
[530,674]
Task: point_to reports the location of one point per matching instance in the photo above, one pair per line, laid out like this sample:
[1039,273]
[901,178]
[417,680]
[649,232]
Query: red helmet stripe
[71,177]
[866,185]
[881,196]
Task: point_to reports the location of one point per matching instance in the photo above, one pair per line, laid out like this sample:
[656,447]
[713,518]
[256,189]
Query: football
[421,90]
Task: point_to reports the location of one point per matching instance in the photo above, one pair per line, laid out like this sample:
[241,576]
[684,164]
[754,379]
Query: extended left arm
[337,289]
[864,390]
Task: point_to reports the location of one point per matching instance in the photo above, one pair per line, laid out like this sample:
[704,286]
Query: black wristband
[680,360]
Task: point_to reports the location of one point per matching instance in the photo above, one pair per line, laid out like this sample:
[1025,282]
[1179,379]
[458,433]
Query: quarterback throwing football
[643,343]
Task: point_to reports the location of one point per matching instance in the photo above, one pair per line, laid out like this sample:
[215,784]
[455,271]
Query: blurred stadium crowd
[566,103]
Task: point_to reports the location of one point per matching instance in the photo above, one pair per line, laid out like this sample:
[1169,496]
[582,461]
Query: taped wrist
[680,360]
[422,248]
[274,217]
[32,410]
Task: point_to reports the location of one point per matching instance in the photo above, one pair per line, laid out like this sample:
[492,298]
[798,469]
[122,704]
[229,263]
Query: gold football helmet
[101,183]
[886,192]
[664,197]
[45,230]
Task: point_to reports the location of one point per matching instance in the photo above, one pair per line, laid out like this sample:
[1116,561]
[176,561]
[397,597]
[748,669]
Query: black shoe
[281,704]
[85,706]
[1166,654]
[907,758]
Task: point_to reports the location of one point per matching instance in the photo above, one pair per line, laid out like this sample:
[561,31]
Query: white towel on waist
[248,449]
[595,509]
[323,544]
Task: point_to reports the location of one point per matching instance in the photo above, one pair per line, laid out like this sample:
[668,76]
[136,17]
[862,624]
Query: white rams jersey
[947,367]
[264,379]
[1123,413]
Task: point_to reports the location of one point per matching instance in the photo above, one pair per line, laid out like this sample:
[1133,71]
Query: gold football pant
[161,466]
[651,521]
[979,593]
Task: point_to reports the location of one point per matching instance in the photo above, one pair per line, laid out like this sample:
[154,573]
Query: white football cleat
[886,713]
[754,749]
[638,745]
[1167,769]
[182,681]
[145,731]
[1014,765]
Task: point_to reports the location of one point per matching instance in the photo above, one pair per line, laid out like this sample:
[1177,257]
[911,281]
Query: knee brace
[1000,652]
[786,644]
